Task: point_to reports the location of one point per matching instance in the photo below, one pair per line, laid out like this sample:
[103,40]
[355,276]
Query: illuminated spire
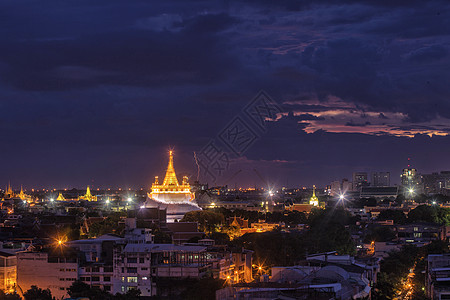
[61,197]
[235,222]
[88,192]
[170,190]
[21,194]
[314,200]
[9,190]
[88,196]
[171,177]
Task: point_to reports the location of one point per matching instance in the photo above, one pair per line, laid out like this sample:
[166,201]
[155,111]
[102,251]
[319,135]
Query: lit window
[132,279]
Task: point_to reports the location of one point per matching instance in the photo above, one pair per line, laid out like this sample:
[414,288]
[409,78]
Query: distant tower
[360,179]
[314,200]
[411,180]
[381,179]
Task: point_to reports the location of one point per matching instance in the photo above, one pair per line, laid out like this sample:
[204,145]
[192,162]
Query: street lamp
[411,192]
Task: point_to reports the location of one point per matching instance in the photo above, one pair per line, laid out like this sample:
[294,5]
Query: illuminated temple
[314,200]
[176,198]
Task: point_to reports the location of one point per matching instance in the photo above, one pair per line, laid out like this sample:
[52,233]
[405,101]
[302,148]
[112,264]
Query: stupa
[314,200]
[176,198]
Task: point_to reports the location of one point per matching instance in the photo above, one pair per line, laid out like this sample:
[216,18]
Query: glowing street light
[129,199]
[107,201]
[60,241]
[51,199]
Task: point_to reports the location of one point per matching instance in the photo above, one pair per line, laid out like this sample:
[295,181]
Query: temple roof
[171,177]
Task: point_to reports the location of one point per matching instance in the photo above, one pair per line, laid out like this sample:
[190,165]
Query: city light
[129,199]
[107,201]
[60,241]
[51,199]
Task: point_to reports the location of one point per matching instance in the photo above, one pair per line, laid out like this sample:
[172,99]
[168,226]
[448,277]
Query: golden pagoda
[22,195]
[61,197]
[88,196]
[314,200]
[9,193]
[170,191]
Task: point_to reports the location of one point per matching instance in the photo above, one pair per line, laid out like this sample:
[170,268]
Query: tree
[232,231]
[13,296]
[208,221]
[109,225]
[203,289]
[430,214]
[129,295]
[380,234]
[392,214]
[35,293]
[81,289]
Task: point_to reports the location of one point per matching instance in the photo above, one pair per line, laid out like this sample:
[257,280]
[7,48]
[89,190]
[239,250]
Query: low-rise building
[437,280]
[323,276]
[53,269]
[8,264]
[420,233]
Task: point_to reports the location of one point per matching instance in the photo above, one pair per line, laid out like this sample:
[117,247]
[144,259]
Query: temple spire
[314,200]
[171,177]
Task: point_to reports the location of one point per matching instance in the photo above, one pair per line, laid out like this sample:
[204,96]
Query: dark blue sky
[95,92]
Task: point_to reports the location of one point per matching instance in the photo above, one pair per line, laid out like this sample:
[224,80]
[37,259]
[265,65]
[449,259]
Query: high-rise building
[347,186]
[335,188]
[381,179]
[360,179]
[436,183]
[411,181]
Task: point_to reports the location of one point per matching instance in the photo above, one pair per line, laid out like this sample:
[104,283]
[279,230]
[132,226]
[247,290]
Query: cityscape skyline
[360,86]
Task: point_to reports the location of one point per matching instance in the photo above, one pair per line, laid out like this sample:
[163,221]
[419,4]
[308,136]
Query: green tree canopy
[208,220]
[392,214]
[430,213]
[35,293]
